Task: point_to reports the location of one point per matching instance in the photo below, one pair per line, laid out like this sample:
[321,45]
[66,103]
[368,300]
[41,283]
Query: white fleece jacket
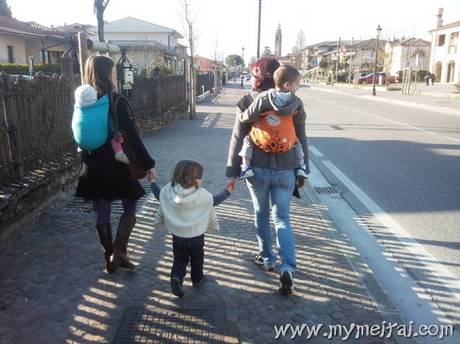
[186,213]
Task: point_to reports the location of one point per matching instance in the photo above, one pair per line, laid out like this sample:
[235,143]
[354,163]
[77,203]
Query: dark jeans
[185,250]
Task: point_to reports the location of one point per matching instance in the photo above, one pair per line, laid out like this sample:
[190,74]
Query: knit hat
[85,95]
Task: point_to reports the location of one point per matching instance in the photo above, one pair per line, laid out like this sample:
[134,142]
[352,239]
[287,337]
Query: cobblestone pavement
[54,288]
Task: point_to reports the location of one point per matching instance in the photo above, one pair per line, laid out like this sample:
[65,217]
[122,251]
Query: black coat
[102,176]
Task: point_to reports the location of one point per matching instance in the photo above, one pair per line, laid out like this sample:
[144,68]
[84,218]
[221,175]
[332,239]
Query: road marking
[315,151]
[432,264]
[396,122]
[451,138]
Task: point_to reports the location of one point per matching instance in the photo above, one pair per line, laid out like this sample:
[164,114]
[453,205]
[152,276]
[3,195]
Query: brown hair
[283,74]
[262,73]
[184,173]
[98,73]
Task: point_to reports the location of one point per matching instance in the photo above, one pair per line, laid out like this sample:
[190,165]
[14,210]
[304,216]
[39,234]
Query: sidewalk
[54,288]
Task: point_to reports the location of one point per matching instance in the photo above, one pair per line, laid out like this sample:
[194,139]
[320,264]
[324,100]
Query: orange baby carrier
[274,133]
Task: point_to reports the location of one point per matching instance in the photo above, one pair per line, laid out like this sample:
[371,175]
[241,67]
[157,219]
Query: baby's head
[85,95]
[187,173]
[287,79]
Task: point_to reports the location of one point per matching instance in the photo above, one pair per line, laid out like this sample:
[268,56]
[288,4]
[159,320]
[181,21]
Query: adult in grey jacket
[274,179]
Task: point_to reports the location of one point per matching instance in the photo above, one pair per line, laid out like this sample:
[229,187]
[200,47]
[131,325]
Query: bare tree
[193,41]
[99,8]
[297,55]
[217,56]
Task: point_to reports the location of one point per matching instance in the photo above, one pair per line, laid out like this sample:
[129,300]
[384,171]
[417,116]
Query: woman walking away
[103,179]
[274,181]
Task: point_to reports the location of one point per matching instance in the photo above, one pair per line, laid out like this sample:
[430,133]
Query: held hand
[229,188]
[301,183]
[151,175]
[230,185]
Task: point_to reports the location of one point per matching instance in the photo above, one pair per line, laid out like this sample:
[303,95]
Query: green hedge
[16,68]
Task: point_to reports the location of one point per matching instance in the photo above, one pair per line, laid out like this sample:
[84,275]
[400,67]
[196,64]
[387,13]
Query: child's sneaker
[286,283]
[300,173]
[121,157]
[200,283]
[176,287]
[246,173]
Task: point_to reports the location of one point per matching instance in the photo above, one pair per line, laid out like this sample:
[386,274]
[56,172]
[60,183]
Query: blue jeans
[185,250]
[278,186]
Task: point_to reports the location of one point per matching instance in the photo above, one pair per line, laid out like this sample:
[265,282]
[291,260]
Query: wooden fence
[38,156]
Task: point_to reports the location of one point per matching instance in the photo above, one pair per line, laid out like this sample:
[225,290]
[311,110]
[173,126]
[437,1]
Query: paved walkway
[54,289]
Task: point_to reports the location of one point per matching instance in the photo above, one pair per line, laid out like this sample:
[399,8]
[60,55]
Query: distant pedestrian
[187,211]
[427,78]
[433,78]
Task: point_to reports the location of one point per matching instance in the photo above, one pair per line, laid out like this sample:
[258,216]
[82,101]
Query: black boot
[125,227]
[104,232]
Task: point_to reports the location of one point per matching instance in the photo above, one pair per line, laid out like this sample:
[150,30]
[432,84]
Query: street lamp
[379,31]
[258,32]
[242,66]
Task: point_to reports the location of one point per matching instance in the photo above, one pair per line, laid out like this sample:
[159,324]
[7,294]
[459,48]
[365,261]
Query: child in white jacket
[187,211]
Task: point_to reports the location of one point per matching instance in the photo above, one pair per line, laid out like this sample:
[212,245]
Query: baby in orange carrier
[273,114]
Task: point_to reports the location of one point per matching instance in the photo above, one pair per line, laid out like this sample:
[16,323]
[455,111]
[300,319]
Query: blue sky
[224,27]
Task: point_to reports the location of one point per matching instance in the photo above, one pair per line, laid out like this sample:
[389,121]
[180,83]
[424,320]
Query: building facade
[146,44]
[445,52]
[20,41]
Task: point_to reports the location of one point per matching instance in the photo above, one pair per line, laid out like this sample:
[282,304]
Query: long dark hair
[262,73]
[98,73]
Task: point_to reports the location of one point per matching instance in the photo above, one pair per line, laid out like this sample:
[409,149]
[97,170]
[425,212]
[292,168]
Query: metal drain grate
[326,190]
[171,326]
[78,205]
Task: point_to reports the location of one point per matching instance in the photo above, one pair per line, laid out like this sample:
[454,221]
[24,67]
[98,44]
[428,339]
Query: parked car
[248,77]
[368,79]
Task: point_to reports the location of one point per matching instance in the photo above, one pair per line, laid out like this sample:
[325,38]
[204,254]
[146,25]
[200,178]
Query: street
[398,168]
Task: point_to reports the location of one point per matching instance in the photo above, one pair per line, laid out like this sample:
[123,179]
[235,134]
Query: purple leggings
[104,208]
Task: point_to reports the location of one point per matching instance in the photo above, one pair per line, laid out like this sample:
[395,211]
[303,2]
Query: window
[453,43]
[10,54]
[44,59]
[55,55]
[441,40]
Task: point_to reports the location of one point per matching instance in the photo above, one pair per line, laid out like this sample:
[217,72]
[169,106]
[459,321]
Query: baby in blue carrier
[86,95]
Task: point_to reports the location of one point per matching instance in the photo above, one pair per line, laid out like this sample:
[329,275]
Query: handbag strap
[115,114]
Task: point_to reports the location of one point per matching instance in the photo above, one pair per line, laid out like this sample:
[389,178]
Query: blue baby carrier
[89,124]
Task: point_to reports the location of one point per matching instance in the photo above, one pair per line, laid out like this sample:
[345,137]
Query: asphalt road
[398,167]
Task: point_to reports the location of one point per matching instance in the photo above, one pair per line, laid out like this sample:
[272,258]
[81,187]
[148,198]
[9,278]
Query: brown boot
[104,232]
[125,227]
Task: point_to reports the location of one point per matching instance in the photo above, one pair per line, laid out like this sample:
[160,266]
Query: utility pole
[258,32]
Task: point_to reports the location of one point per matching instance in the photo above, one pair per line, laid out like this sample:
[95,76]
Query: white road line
[315,151]
[431,263]
[396,122]
[451,138]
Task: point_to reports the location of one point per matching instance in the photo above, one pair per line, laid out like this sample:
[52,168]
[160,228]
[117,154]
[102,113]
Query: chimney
[439,18]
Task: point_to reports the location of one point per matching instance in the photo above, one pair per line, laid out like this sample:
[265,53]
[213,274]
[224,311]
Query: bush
[16,68]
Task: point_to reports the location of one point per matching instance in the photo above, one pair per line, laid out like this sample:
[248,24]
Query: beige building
[21,40]
[411,53]
[445,52]
[145,43]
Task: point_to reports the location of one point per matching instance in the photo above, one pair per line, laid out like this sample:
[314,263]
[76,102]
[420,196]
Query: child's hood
[289,107]
[183,195]
[85,95]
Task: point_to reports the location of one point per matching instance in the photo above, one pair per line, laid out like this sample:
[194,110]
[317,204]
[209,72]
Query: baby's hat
[85,95]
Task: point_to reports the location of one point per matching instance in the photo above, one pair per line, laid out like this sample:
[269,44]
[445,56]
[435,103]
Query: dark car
[368,79]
